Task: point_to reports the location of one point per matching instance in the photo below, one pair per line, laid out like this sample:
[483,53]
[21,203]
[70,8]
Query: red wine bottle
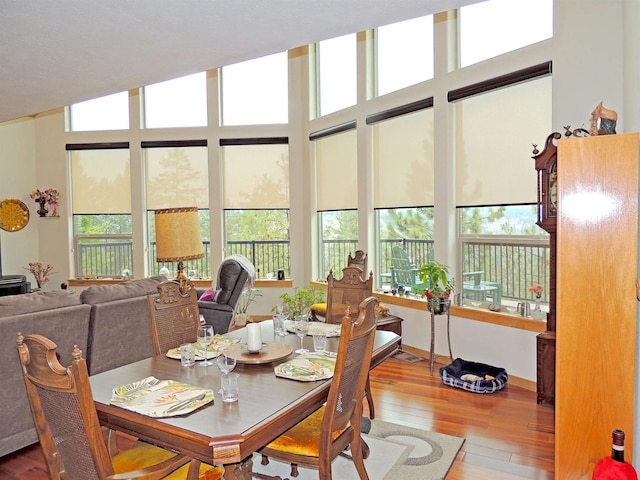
[614,467]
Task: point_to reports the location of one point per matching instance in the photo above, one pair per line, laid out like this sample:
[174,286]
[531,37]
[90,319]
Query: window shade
[177,177]
[494,136]
[337,171]
[100,181]
[403,160]
[256,176]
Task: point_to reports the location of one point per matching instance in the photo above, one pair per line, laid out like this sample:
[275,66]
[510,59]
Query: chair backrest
[347,292]
[63,411]
[173,315]
[403,271]
[233,274]
[344,403]
[358,260]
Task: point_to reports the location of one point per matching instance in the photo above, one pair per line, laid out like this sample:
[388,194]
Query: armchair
[217,305]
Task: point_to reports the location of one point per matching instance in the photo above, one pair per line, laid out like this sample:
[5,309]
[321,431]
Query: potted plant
[439,286]
[247,297]
[300,302]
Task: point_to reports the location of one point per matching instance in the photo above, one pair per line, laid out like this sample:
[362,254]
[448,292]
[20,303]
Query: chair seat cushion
[474,377]
[143,455]
[304,438]
[320,308]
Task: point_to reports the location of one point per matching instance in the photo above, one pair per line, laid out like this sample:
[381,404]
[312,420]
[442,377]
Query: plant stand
[432,357]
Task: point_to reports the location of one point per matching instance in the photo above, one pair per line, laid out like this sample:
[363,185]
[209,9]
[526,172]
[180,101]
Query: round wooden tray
[271,351]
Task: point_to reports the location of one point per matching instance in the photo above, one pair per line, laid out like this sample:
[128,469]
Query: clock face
[552,198]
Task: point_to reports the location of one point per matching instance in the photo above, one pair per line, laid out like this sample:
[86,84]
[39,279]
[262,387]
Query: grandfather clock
[547,167]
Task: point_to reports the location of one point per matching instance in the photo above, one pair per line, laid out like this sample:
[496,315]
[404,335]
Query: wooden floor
[507,435]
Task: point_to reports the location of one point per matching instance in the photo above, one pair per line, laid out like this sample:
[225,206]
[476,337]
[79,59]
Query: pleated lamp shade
[178,235]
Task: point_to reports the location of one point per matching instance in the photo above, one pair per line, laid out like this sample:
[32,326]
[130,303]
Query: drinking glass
[225,362]
[302,327]
[205,338]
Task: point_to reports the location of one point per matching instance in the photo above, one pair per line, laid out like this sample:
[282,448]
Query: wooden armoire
[596,299]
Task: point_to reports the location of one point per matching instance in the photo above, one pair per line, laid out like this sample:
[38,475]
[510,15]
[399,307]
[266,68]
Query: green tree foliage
[410,223]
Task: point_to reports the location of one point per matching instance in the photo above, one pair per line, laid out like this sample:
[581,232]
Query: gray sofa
[109,323]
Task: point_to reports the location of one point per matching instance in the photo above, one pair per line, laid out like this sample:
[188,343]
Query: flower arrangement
[247,297]
[537,290]
[40,272]
[50,196]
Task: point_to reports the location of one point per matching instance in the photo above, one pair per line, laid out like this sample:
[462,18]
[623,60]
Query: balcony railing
[514,264]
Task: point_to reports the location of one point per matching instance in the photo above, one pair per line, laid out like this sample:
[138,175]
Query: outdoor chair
[71,438]
[403,271]
[326,433]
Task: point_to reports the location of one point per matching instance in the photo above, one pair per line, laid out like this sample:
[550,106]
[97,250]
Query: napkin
[160,398]
[308,367]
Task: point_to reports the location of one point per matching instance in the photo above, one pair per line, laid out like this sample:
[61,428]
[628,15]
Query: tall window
[256,92]
[256,202]
[177,176]
[337,66]
[337,198]
[104,113]
[101,203]
[404,54]
[176,103]
[499,238]
[403,162]
[491,28]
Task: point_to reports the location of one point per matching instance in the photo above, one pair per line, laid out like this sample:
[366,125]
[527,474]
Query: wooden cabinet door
[596,299]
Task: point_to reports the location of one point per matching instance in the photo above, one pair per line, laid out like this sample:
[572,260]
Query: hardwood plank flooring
[508,436]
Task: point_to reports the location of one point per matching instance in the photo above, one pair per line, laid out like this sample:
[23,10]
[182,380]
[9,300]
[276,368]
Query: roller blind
[177,177]
[494,136]
[403,160]
[337,171]
[256,176]
[101,181]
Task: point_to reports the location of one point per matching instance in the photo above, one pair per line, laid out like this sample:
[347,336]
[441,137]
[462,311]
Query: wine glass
[302,327]
[225,362]
[205,338]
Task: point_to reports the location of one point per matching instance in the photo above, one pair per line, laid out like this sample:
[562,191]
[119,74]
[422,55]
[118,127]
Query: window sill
[479,314]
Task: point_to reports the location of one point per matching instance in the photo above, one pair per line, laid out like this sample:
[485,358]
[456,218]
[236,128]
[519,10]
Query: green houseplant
[300,302]
[438,285]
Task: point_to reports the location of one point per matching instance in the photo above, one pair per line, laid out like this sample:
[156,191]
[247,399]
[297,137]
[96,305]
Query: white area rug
[397,452]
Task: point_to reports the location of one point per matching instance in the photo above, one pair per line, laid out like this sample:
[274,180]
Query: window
[497,212]
[176,103]
[337,196]
[104,113]
[256,92]
[256,202]
[404,54]
[491,28]
[403,189]
[337,66]
[177,176]
[101,204]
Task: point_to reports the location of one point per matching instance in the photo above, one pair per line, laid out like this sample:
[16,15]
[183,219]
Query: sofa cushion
[107,293]
[209,295]
[36,302]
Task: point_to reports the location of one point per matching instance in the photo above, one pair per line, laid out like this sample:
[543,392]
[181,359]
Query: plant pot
[240,319]
[443,306]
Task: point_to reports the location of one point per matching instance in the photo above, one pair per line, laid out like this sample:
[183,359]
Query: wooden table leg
[239,471]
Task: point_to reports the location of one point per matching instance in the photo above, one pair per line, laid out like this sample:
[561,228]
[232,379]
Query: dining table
[222,433]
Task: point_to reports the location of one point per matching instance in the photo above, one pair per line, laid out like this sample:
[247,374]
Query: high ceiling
[53,53]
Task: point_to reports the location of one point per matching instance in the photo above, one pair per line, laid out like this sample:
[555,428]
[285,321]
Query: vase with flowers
[40,272]
[247,297]
[537,290]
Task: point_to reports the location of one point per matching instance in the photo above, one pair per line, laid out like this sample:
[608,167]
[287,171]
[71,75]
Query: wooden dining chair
[173,315]
[327,432]
[73,443]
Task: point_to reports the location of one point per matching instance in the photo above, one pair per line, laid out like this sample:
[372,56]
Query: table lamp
[178,238]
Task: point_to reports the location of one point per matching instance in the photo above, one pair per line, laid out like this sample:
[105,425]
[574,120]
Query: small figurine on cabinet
[603,121]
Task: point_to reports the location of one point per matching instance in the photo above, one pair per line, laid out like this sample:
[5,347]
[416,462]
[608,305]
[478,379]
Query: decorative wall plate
[14,215]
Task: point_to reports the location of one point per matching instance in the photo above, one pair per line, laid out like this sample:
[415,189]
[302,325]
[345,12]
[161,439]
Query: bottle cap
[618,438]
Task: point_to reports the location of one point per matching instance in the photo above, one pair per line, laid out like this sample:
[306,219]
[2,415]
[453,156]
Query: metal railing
[514,264]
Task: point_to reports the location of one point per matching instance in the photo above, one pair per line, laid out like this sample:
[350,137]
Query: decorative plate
[329,329]
[160,398]
[220,342]
[308,367]
[14,215]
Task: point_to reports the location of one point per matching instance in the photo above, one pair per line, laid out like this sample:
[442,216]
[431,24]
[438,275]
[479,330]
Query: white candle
[254,337]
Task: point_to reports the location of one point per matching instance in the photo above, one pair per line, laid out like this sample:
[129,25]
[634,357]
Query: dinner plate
[308,367]
[329,329]
[14,215]
[160,398]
